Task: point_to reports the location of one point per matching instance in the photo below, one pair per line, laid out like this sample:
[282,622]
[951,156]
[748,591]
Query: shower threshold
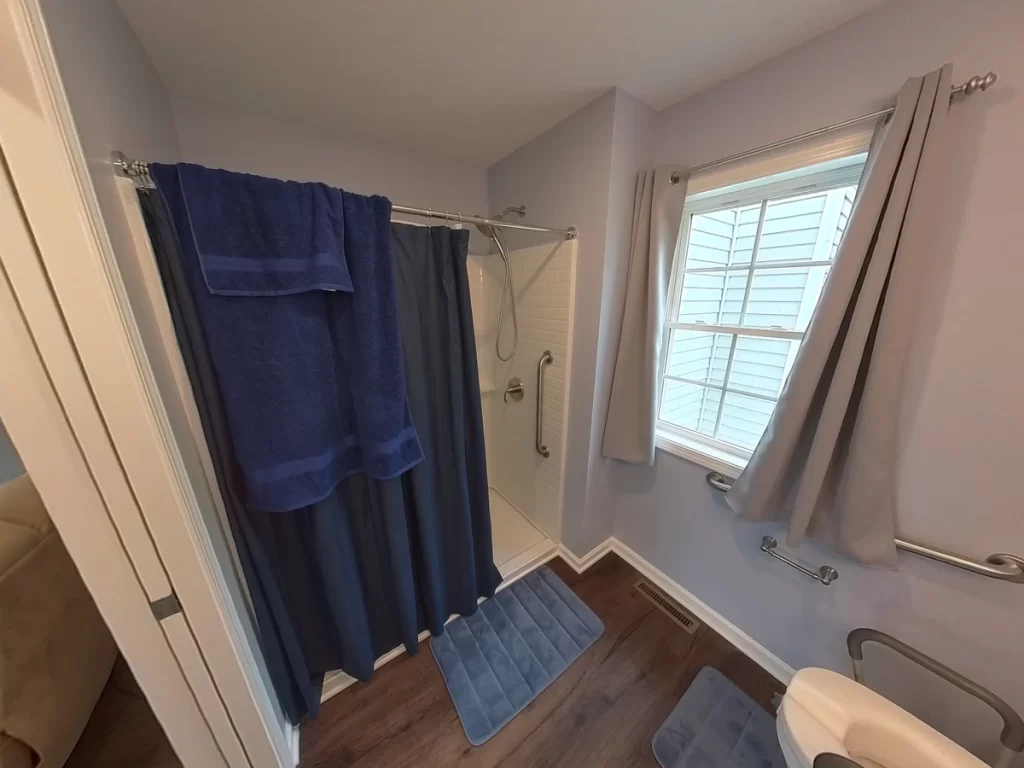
[519,546]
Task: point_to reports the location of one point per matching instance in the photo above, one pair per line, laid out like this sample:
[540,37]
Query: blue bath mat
[498,660]
[716,725]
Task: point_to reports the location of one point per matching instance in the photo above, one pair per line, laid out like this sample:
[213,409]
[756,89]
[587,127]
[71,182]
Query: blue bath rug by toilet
[716,725]
[498,660]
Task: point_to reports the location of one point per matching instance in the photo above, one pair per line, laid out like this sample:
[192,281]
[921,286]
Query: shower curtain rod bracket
[138,172]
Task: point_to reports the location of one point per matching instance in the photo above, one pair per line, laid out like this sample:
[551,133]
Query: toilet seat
[823,711]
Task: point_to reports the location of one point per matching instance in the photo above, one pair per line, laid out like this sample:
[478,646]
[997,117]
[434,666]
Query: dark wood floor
[123,731]
[602,711]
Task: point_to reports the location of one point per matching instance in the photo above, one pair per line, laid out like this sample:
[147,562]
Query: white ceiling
[473,79]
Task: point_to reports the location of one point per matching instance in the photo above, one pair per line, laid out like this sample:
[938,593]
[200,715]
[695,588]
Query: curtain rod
[976,83]
[569,234]
[138,171]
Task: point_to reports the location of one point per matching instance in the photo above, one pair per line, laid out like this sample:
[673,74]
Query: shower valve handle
[514,389]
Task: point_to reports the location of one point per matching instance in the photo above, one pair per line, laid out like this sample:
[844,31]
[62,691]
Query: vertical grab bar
[545,359]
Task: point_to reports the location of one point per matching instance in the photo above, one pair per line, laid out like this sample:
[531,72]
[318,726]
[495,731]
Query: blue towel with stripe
[295,290]
[265,237]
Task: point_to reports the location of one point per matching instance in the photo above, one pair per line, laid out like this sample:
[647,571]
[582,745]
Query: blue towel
[312,380]
[264,237]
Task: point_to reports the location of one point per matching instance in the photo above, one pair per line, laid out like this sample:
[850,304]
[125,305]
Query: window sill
[701,455]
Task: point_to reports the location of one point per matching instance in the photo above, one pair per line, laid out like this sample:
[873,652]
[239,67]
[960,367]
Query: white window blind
[751,265]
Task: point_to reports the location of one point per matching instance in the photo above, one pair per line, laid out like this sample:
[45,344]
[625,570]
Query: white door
[78,291]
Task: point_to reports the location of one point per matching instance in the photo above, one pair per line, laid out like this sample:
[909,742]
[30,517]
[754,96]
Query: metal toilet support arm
[1012,735]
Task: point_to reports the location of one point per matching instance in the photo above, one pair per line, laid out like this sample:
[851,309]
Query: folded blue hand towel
[313,380]
[264,237]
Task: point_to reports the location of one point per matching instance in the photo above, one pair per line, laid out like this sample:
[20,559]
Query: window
[750,266]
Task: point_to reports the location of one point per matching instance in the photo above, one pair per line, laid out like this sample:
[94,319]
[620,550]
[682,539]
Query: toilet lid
[823,711]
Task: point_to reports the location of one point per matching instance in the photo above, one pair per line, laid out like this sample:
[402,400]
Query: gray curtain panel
[633,408]
[826,465]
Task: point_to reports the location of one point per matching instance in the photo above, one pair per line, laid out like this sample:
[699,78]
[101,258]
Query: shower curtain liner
[339,583]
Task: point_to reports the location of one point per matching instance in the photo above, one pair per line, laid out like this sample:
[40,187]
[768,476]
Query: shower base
[518,544]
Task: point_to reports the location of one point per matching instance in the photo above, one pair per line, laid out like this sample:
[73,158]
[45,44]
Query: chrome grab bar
[717,481]
[1001,566]
[545,359]
[826,574]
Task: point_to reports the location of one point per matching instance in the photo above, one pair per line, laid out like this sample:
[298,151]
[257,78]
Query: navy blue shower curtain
[337,584]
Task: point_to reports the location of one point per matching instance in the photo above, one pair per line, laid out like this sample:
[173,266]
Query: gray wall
[119,100]
[255,144]
[10,464]
[632,150]
[962,415]
[580,173]
[562,177]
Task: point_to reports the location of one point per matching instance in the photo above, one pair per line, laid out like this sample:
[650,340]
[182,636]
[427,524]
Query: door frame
[65,286]
[37,421]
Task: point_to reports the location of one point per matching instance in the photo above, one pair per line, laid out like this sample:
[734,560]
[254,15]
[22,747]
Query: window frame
[730,187]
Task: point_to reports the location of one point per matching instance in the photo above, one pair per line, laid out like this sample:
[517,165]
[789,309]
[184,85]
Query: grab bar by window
[1001,566]
[826,574]
[545,359]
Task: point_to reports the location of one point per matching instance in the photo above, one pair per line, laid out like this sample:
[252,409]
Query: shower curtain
[337,584]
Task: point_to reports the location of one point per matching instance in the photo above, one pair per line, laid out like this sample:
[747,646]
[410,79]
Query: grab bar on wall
[1001,566]
[826,574]
[545,359]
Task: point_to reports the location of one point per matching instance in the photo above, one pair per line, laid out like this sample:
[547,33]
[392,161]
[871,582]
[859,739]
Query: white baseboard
[580,564]
[743,642]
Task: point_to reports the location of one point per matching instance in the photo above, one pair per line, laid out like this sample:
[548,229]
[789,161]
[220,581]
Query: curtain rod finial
[977,83]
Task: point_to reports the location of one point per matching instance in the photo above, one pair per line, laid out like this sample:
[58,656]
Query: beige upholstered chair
[55,651]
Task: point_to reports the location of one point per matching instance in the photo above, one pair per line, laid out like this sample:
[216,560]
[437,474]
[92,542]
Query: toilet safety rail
[1012,735]
[1001,566]
[545,360]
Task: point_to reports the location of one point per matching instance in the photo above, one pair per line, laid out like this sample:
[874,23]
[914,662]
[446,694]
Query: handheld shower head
[508,294]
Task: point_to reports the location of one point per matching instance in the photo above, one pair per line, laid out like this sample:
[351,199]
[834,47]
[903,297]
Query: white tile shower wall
[482,324]
[544,278]
[483,330]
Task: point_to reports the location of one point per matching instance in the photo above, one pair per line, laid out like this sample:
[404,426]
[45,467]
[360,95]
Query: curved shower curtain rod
[138,171]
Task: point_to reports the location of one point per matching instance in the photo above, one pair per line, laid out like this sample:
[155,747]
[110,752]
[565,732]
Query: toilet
[825,712]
